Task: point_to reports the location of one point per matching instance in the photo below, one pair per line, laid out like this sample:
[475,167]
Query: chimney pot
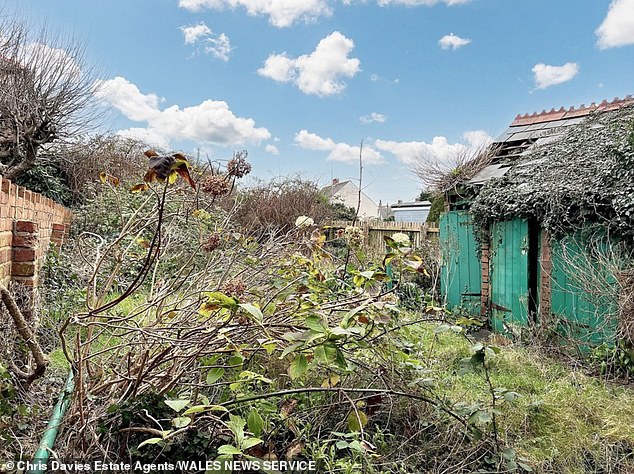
[335,181]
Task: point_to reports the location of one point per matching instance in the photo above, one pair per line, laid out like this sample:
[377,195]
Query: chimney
[335,181]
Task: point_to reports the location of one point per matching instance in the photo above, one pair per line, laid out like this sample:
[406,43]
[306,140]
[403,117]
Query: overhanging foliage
[584,180]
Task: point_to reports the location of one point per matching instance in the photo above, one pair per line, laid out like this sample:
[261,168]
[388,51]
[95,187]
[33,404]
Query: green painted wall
[461,274]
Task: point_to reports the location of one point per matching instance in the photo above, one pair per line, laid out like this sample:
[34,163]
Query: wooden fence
[374,231]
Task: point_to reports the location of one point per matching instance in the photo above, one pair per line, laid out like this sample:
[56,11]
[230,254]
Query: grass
[564,420]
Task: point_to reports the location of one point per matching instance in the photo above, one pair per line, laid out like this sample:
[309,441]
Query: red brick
[23,255]
[23,269]
[26,226]
[24,240]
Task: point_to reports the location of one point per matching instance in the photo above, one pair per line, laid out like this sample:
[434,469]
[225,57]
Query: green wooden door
[509,274]
[582,302]
[461,275]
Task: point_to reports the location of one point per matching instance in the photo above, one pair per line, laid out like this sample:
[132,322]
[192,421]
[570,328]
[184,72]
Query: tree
[46,93]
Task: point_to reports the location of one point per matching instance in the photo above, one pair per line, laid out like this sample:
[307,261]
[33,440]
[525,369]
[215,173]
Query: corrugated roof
[528,131]
[563,113]
[492,171]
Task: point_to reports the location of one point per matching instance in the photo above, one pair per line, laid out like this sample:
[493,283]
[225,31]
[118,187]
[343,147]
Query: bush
[272,208]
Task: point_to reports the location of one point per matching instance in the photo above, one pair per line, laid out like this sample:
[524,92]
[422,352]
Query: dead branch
[23,329]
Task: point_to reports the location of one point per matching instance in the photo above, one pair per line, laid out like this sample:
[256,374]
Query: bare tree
[46,93]
[442,174]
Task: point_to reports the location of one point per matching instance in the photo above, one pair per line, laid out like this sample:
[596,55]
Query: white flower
[401,239]
[303,221]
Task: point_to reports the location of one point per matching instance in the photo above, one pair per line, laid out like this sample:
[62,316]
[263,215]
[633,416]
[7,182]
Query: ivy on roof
[583,181]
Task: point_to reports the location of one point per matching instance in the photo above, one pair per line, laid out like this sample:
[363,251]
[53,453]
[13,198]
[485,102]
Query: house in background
[347,193]
[416,211]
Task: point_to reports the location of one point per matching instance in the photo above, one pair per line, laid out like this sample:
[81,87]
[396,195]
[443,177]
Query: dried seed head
[213,242]
[353,236]
[215,185]
[238,166]
[234,287]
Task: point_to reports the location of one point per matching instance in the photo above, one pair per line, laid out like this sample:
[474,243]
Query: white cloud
[200,35]
[210,121]
[452,41]
[128,99]
[319,72]
[438,151]
[281,13]
[373,117]
[147,136]
[424,3]
[338,151]
[617,28]
[194,33]
[272,149]
[219,47]
[546,76]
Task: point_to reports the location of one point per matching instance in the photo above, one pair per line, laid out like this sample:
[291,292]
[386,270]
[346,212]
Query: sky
[302,84]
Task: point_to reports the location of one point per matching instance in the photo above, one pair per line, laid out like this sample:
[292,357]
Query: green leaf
[214,375]
[511,396]
[298,367]
[202,408]
[150,441]
[340,360]
[255,423]
[177,405]
[291,348]
[250,442]
[181,421]
[357,423]
[341,444]
[228,450]
[253,311]
[222,300]
[236,361]
[315,323]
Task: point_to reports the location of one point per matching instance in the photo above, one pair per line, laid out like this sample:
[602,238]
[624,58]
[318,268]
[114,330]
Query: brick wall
[546,264]
[29,222]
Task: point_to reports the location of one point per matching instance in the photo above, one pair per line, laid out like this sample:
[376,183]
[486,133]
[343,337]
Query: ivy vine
[582,182]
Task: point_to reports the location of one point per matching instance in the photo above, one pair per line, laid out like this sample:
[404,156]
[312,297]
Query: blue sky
[300,83]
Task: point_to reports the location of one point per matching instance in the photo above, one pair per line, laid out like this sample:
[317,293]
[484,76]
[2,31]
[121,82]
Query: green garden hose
[48,438]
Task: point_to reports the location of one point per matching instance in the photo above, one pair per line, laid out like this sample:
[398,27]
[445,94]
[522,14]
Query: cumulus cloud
[338,151]
[205,40]
[281,13]
[452,41]
[147,136]
[546,76]
[617,28]
[424,3]
[211,121]
[438,151]
[128,99]
[373,117]
[319,72]
[194,33]
[272,149]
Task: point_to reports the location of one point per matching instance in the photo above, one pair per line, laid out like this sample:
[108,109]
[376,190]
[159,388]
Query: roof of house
[333,189]
[414,204]
[528,131]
